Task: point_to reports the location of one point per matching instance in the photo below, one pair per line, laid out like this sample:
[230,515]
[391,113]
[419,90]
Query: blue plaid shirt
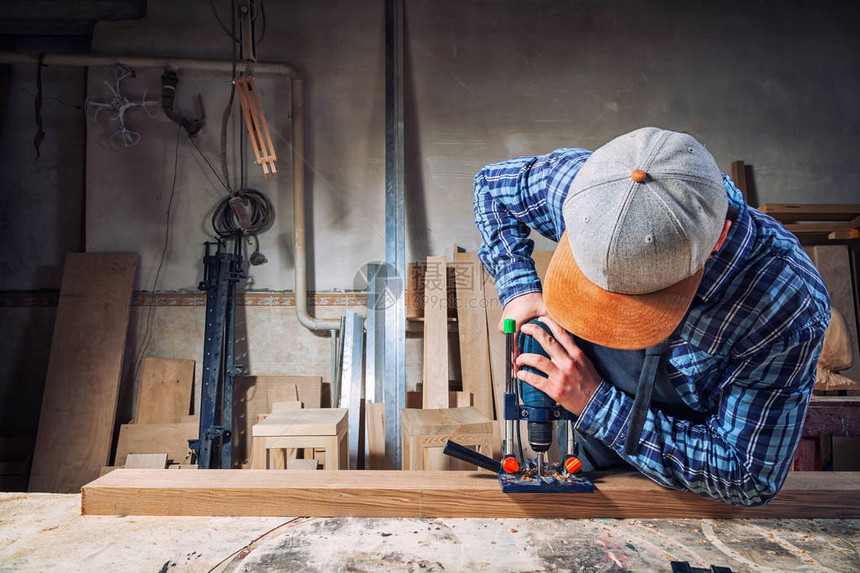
[744,355]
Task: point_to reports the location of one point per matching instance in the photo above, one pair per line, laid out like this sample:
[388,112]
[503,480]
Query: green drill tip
[510,326]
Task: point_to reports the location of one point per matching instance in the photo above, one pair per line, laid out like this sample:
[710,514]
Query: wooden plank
[171,439]
[251,397]
[472,326]
[811,211]
[436,333]
[165,390]
[146,461]
[375,414]
[82,384]
[440,494]
[739,176]
[834,264]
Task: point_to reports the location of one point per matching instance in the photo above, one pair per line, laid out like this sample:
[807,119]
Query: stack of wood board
[79,404]
[162,424]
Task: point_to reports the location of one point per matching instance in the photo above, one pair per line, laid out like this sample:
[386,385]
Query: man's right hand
[523,308]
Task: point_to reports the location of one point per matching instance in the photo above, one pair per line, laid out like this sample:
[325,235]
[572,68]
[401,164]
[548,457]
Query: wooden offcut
[171,439]
[82,384]
[146,461]
[436,333]
[440,494]
[165,390]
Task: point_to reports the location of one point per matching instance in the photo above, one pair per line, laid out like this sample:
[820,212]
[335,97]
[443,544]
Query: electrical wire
[261,214]
[209,163]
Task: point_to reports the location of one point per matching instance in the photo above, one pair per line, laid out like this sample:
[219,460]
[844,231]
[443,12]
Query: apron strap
[642,400]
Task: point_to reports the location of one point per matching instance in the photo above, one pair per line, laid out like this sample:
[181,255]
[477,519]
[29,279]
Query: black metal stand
[222,270]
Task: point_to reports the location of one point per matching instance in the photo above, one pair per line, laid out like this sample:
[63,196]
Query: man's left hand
[570,376]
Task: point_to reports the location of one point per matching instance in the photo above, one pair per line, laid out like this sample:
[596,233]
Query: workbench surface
[46,532]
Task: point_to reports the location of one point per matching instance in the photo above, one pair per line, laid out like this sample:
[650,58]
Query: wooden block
[146,461]
[165,390]
[82,384]
[472,325]
[296,464]
[834,264]
[155,439]
[462,399]
[368,493]
[251,397]
[436,334]
[304,422]
[375,414]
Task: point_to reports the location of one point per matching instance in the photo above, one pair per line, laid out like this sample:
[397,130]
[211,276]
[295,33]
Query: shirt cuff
[606,414]
[516,279]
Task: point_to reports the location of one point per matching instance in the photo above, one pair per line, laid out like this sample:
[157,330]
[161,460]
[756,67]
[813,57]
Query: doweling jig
[523,402]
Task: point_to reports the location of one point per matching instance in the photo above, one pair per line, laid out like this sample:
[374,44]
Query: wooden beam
[439,494]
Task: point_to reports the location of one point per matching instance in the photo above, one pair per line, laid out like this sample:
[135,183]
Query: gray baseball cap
[642,215]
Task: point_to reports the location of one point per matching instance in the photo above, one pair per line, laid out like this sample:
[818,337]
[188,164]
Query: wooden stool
[426,430]
[310,428]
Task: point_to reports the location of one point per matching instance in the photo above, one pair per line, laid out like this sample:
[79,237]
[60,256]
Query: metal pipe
[299,217]
[298,141]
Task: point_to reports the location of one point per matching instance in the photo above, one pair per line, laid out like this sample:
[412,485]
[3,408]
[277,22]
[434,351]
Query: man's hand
[523,308]
[571,377]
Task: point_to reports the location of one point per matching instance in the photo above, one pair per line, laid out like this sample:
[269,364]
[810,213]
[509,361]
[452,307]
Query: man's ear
[726,227]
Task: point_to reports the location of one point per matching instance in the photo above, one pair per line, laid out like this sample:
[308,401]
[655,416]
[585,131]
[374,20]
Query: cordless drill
[539,409]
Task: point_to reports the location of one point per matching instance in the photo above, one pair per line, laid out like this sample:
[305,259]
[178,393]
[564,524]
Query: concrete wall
[771,84]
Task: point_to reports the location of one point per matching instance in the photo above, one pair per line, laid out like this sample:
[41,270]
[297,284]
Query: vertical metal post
[395,234]
[351,384]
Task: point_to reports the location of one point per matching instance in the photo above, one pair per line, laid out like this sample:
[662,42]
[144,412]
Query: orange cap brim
[623,321]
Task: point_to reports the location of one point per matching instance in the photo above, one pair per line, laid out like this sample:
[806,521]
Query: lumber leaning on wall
[439,494]
[82,384]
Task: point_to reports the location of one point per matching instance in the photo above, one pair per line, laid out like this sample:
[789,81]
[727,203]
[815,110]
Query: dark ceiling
[63,17]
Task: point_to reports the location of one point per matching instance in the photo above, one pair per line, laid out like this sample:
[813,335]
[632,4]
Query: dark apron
[624,370]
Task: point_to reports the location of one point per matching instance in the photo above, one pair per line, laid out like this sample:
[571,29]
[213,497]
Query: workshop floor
[45,532]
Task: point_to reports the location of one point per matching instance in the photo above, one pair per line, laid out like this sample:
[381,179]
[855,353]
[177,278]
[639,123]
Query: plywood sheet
[251,396]
[171,439]
[440,494]
[82,384]
[165,390]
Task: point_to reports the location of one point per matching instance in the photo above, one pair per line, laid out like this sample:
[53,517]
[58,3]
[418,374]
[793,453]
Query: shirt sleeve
[513,197]
[743,453]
